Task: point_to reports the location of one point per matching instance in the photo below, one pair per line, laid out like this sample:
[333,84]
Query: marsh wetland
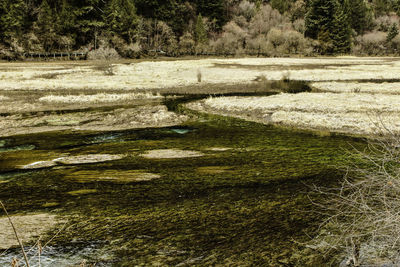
[151,182]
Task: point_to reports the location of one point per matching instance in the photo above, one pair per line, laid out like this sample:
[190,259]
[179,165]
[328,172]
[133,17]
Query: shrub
[265,19]
[294,41]
[259,45]
[133,50]
[233,39]
[186,44]
[372,43]
[247,9]
[363,223]
[103,53]
[384,22]
[298,25]
[276,37]
[32,43]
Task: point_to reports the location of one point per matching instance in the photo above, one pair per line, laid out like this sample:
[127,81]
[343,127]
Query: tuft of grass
[199,76]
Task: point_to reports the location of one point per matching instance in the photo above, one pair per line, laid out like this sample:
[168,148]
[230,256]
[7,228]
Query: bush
[247,9]
[133,50]
[186,44]
[363,218]
[103,53]
[384,22]
[294,41]
[276,37]
[259,45]
[233,39]
[372,43]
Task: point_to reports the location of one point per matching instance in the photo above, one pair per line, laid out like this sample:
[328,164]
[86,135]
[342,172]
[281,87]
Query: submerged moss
[240,206]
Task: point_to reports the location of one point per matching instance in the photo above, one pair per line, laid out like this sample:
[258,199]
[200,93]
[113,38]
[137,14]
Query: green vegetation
[239,206]
[136,28]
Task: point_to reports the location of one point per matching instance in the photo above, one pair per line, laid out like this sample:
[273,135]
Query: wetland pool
[222,191]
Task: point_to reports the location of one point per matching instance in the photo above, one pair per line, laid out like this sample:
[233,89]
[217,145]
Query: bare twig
[16,235]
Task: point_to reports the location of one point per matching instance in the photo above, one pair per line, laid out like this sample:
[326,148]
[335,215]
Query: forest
[136,28]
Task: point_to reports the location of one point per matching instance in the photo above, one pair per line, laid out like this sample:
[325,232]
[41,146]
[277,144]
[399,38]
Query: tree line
[133,28]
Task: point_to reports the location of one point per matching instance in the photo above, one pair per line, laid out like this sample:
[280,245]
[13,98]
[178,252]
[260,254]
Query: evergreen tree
[213,9]
[341,32]
[89,16]
[327,22]
[281,6]
[66,18]
[12,16]
[359,14]
[200,32]
[320,15]
[122,19]
[382,7]
[46,26]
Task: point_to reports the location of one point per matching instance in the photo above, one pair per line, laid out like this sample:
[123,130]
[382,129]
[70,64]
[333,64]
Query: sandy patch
[171,154]
[117,176]
[29,228]
[346,112]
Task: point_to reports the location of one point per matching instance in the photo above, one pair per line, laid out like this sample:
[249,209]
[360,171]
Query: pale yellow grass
[348,87]
[118,119]
[97,98]
[171,154]
[3,98]
[80,159]
[346,112]
[90,158]
[166,74]
[310,102]
[116,176]
[29,228]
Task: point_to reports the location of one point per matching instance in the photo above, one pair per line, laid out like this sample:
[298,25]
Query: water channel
[240,198]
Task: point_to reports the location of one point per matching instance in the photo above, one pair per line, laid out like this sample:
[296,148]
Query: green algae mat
[215,191]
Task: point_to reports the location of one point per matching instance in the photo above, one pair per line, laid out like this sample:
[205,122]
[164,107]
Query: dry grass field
[42,89]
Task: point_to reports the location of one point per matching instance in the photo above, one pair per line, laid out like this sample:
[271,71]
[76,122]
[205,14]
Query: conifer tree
[320,15]
[12,16]
[327,22]
[46,25]
[341,32]
[200,32]
[359,14]
[66,18]
[89,19]
[122,19]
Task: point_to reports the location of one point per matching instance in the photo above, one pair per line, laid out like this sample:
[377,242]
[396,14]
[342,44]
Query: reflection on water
[57,256]
[16,148]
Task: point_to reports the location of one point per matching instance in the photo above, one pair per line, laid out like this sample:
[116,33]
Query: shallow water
[244,202]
